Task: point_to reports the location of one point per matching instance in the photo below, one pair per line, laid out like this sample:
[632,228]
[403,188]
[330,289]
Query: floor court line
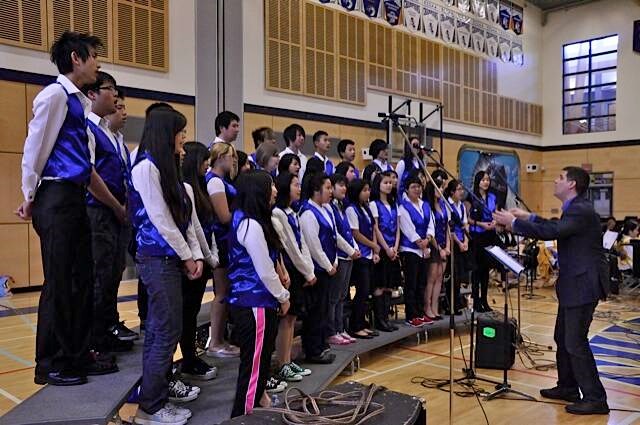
[10,396]
[7,372]
[16,358]
[393,369]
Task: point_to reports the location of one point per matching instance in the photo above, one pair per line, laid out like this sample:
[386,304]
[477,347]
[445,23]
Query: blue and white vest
[387,222]
[458,220]
[327,234]
[483,212]
[365,226]
[421,222]
[247,289]
[342,225]
[70,158]
[221,230]
[292,219]
[110,165]
[150,242]
[441,223]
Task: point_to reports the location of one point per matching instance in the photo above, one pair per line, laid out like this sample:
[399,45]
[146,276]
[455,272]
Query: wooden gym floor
[616,342]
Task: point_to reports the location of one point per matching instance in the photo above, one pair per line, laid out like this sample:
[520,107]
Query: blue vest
[342,225]
[295,226]
[328,167]
[408,168]
[110,166]
[483,212]
[356,172]
[149,241]
[70,158]
[420,222]
[458,218]
[365,226]
[327,234]
[221,230]
[388,223]
[246,290]
[442,219]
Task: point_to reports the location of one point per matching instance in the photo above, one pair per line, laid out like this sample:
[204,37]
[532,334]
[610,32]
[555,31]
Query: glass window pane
[576,65]
[602,93]
[575,96]
[604,77]
[578,80]
[604,61]
[577,126]
[603,124]
[577,111]
[602,108]
[576,49]
[604,44]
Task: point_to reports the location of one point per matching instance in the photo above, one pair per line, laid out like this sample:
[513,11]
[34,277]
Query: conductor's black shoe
[558,393]
[326,358]
[588,408]
[60,379]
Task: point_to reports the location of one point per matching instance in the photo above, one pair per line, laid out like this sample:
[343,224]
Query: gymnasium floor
[394,367]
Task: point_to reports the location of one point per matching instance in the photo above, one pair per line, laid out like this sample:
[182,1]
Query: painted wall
[600,18]
[181,76]
[523,83]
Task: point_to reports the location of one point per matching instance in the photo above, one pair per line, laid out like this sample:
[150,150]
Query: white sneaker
[163,416]
[179,410]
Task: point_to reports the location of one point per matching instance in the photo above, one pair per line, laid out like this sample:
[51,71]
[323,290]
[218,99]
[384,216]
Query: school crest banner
[447,26]
[478,8]
[463,31]
[504,49]
[491,41]
[431,18]
[411,11]
[350,5]
[392,9]
[493,11]
[477,37]
[517,55]
[517,18]
[371,8]
[505,15]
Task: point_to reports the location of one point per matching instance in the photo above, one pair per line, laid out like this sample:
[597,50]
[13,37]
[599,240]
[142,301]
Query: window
[589,78]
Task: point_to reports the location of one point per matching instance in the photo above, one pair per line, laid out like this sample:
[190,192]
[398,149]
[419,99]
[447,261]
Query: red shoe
[426,320]
[416,322]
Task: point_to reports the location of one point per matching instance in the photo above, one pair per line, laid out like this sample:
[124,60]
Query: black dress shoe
[64,379]
[355,335]
[558,393]
[372,332]
[588,408]
[384,327]
[392,326]
[326,358]
[101,368]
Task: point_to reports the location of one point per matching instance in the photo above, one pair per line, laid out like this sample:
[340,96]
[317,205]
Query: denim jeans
[162,277]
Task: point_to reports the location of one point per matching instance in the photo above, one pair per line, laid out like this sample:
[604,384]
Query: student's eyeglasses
[110,88]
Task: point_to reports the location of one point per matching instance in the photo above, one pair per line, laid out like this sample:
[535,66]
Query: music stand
[512,265]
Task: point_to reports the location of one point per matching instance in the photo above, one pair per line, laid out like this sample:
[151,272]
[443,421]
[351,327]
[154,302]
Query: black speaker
[636,36]
[490,342]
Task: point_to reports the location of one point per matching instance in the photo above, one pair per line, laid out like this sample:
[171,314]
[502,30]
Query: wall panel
[14,252]
[13,116]
[10,189]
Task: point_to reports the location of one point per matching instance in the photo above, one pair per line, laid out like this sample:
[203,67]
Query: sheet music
[505,259]
[609,239]
[549,244]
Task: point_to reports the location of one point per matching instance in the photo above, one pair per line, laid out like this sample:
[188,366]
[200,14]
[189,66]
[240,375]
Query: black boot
[387,308]
[380,316]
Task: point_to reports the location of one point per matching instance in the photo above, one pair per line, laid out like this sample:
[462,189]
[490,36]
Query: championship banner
[412,13]
[350,5]
[392,9]
[478,8]
[491,41]
[327,1]
[477,37]
[504,49]
[431,18]
[493,11]
[517,55]
[463,30]
[371,8]
[450,3]
[447,26]
[517,18]
[463,5]
[505,15]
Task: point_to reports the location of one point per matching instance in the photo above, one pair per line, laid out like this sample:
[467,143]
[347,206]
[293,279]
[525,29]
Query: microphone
[425,149]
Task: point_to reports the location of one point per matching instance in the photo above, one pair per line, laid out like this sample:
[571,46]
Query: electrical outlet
[365,154]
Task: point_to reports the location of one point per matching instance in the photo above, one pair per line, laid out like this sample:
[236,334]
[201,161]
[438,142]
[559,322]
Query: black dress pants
[192,293]
[66,301]
[314,325]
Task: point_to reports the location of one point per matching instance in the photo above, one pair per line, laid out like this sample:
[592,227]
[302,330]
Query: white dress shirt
[409,229]
[103,125]
[146,180]
[384,166]
[251,236]
[311,230]
[300,257]
[209,254]
[49,113]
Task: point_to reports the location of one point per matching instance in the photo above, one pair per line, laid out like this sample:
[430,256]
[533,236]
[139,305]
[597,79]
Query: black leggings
[361,277]
[415,280]
[192,293]
[484,263]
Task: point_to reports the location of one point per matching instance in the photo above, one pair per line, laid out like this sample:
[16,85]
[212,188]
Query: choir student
[416,232]
[455,194]
[385,212]
[257,295]
[167,247]
[224,162]
[298,263]
[361,222]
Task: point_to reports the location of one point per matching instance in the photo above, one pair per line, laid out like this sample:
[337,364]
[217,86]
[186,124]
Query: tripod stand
[509,264]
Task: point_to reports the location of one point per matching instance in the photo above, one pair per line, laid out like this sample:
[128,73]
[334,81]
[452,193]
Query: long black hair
[343,167]
[195,154]
[158,139]
[312,183]
[254,193]
[477,179]
[283,185]
[375,188]
[286,160]
[430,190]
[339,179]
[355,188]
[451,188]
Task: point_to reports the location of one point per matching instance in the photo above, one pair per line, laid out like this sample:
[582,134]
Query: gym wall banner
[371,8]
[431,19]
[392,9]
[411,12]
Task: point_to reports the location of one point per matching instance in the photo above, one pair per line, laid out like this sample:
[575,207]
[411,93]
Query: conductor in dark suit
[583,280]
